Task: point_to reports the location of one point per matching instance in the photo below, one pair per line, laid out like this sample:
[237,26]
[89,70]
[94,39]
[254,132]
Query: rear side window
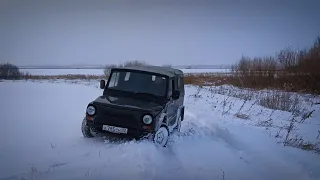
[179,83]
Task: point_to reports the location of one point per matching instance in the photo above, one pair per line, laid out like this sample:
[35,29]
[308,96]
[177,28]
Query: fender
[161,122]
[162,117]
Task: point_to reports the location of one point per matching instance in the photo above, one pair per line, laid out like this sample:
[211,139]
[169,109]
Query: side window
[174,85]
[178,83]
[170,88]
[181,85]
[127,76]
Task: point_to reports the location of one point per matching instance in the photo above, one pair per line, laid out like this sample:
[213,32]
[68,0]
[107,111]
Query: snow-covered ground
[100,71]
[40,138]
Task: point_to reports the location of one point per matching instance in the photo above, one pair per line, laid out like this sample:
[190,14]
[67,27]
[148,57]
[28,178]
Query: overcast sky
[174,32]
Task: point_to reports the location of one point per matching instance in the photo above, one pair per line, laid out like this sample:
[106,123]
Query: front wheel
[86,130]
[161,137]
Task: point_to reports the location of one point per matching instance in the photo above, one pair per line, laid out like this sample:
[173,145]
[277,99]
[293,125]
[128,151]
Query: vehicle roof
[168,71]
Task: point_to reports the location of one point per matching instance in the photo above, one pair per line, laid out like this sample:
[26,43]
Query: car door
[170,104]
[180,87]
[173,105]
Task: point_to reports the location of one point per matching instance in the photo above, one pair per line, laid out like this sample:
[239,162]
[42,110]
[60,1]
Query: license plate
[114,129]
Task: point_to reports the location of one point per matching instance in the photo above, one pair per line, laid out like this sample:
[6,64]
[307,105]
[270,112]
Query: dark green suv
[146,101]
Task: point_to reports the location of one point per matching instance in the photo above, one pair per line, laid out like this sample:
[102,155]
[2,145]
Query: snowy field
[40,138]
[100,71]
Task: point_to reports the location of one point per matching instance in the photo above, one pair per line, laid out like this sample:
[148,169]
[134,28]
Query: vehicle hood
[127,102]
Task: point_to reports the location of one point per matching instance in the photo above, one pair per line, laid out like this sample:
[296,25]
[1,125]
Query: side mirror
[175,94]
[102,84]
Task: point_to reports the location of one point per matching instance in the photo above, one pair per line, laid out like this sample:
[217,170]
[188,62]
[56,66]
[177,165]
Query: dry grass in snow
[292,118]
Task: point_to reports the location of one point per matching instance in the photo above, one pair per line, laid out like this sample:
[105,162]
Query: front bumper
[132,132]
[123,117]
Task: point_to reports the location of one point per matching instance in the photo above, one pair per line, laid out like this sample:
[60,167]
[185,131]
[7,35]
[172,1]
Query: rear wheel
[178,127]
[161,137]
[86,130]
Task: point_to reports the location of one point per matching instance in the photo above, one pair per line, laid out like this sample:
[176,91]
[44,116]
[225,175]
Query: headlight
[147,119]
[91,110]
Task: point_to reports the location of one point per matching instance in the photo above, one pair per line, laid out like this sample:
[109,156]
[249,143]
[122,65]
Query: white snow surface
[40,138]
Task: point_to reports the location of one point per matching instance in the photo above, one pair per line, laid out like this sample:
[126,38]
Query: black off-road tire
[178,127]
[165,131]
[86,130]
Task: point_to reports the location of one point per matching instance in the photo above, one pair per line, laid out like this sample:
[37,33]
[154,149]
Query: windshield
[138,83]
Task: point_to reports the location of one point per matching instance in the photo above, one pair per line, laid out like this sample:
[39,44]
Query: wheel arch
[162,120]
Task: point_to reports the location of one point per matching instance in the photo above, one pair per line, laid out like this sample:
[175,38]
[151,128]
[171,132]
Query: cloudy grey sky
[160,32]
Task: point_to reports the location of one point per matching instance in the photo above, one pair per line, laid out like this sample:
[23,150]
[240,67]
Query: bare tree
[9,71]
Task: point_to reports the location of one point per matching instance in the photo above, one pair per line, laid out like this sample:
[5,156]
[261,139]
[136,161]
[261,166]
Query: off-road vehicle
[143,101]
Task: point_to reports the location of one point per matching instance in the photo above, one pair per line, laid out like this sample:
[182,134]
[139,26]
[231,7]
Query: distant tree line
[11,72]
[297,70]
